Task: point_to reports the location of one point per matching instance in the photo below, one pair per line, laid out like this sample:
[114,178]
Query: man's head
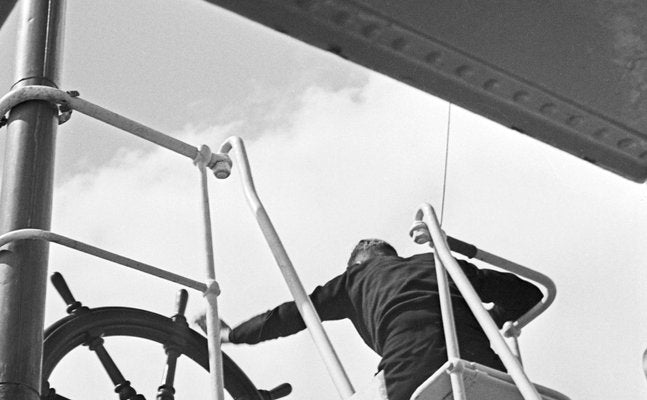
[367,249]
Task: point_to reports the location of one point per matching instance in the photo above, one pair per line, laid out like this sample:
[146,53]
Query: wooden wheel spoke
[167,390]
[122,385]
[52,395]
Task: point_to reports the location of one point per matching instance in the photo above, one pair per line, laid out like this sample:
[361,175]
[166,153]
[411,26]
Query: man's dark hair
[369,248]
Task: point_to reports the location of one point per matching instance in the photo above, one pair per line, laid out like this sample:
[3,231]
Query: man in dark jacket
[393,303]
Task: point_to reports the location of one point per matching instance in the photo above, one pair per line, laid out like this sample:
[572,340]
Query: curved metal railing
[436,239]
[301,298]
[550,290]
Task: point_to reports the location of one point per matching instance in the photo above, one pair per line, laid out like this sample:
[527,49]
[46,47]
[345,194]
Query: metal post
[213,290]
[449,328]
[26,201]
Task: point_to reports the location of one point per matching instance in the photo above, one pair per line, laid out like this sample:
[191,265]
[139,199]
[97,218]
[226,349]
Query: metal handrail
[449,329]
[68,101]
[550,290]
[438,241]
[209,290]
[301,298]
[39,234]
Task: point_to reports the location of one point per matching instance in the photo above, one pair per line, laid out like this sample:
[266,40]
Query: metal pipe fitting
[220,164]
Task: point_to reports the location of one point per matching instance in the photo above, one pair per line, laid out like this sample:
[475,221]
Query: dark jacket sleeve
[511,295]
[330,301]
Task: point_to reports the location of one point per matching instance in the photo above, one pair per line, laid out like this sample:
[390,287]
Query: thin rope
[442,201]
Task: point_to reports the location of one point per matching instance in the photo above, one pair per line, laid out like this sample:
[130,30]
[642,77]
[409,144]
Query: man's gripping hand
[225,330]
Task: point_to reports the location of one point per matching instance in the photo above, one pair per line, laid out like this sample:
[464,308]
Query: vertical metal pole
[26,201]
[213,290]
[449,328]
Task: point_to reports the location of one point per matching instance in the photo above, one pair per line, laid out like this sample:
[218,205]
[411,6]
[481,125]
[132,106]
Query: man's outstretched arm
[330,301]
[281,321]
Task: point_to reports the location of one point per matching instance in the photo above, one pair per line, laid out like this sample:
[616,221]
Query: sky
[338,153]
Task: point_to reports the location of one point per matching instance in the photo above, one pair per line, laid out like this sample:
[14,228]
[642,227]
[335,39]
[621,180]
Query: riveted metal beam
[572,73]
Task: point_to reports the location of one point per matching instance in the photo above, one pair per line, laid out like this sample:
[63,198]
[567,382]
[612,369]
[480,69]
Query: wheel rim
[71,332]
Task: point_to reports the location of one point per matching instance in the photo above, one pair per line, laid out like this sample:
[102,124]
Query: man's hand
[201,321]
[225,330]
